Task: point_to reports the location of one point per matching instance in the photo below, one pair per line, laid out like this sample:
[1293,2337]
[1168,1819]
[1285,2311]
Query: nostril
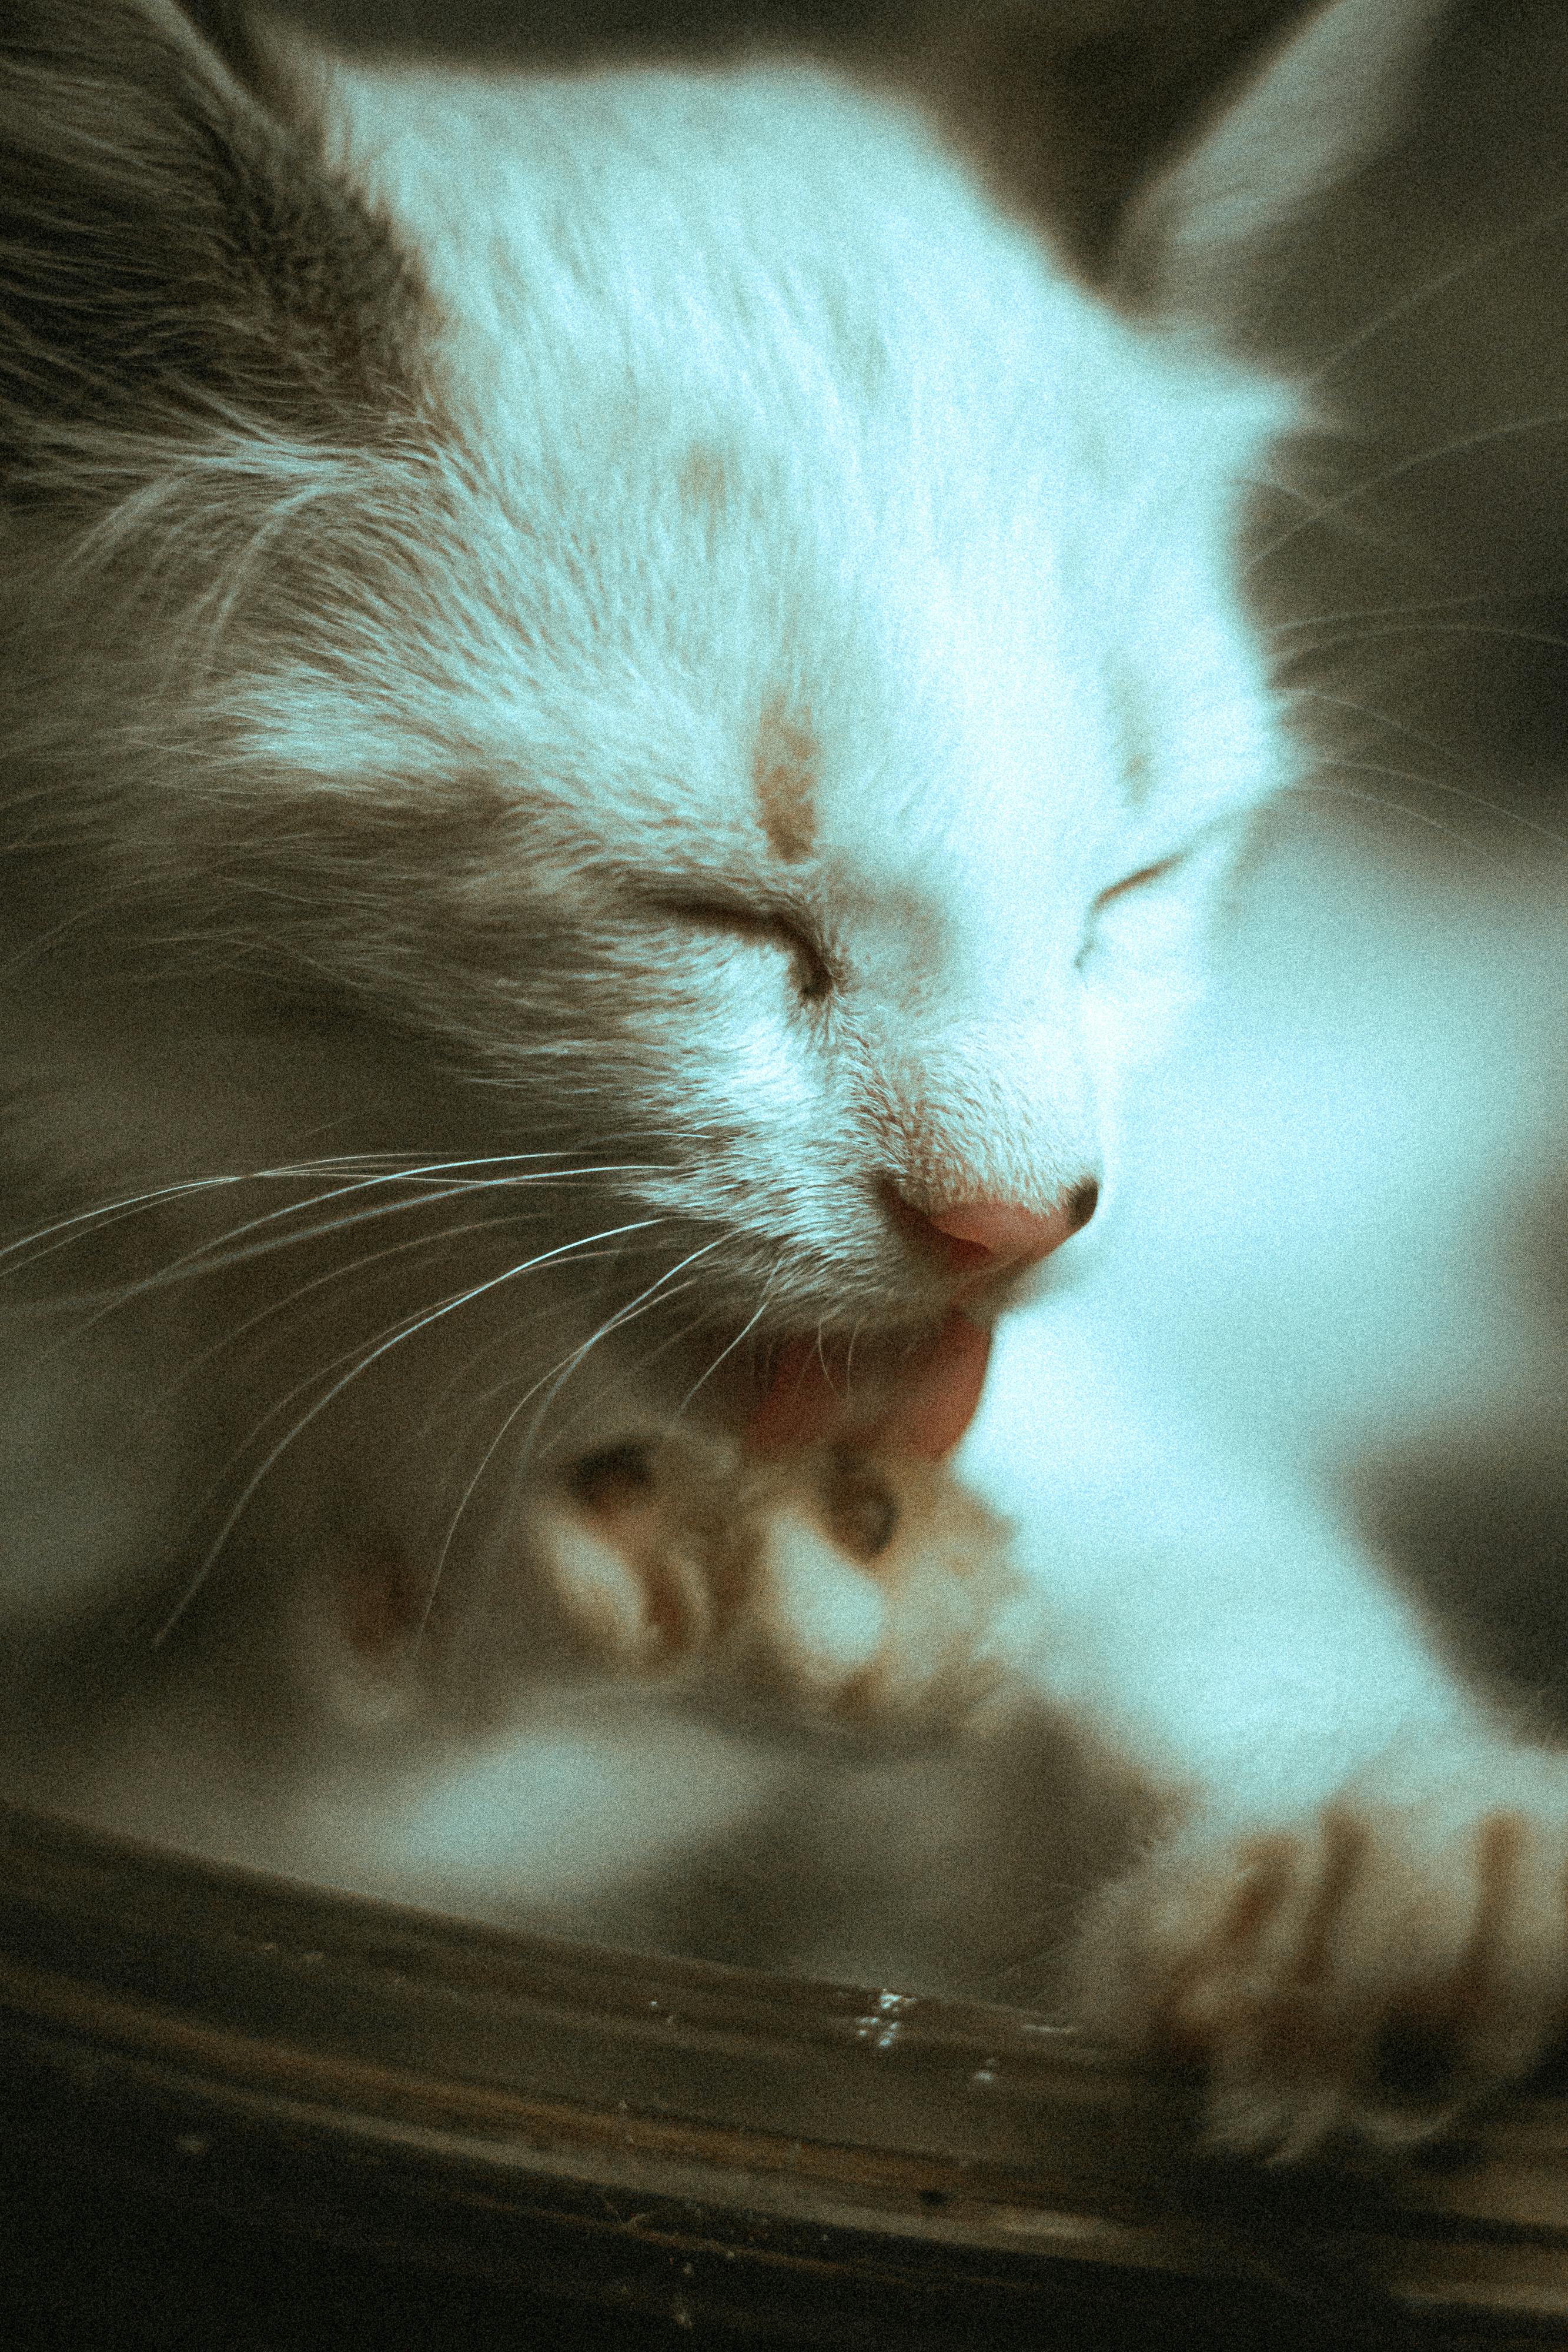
[1082,1202]
[988,1234]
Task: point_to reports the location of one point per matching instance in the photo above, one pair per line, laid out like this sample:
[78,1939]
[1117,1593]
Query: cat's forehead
[768,238]
[792,658]
[827,512]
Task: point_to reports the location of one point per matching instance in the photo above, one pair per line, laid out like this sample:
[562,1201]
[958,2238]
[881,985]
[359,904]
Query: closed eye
[814,975]
[1131,882]
[1143,878]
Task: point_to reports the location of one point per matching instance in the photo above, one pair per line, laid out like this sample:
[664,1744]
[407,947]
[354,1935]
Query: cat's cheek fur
[1146,963]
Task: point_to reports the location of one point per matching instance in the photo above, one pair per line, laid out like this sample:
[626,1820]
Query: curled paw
[866,1585]
[1363,1970]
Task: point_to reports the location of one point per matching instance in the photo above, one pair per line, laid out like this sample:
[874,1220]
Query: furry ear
[170,247]
[1327,101]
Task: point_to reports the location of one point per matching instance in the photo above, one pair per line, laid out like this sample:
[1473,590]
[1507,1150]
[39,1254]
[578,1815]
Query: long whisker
[1454,792]
[1480,439]
[130,1203]
[216,1257]
[1507,629]
[1381,800]
[1404,607]
[475,1404]
[656,1293]
[400,1325]
[1429,288]
[615,1322]
[111,1213]
[441,1397]
[422,1322]
[1422,778]
[560,1373]
[744,1333]
[334,1274]
[651,1355]
[1368,711]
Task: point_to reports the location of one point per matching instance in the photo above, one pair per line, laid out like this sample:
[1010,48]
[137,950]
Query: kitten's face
[809,669]
[765,705]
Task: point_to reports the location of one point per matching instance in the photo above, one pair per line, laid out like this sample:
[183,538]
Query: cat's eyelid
[676,888]
[712,903]
[774,918]
[706,903]
[1153,871]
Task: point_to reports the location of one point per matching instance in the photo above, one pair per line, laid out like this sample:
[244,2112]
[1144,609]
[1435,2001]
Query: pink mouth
[921,1405]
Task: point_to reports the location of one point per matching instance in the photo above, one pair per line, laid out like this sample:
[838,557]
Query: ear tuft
[169,246]
[1327,102]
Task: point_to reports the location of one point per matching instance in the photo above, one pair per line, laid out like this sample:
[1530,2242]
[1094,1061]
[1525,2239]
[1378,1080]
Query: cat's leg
[1358,1920]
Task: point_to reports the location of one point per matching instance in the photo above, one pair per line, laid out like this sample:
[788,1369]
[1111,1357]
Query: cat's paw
[1362,1971]
[617,1557]
[873,1585]
[863,1586]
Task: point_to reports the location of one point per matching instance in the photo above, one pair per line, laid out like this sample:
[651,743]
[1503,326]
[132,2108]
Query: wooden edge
[258,2048]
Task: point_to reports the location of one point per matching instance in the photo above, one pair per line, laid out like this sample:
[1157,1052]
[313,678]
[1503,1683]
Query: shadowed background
[1347,1208]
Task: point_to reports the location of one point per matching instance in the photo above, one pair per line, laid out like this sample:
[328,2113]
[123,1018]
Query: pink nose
[989,1236]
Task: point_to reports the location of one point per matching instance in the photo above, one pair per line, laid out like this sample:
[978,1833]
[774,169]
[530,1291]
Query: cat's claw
[1363,1971]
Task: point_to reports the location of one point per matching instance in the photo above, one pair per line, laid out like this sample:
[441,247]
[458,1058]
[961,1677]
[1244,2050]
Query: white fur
[413,1087]
[967,526]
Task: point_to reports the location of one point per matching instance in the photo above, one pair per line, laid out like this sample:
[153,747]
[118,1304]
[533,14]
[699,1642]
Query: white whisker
[744,1333]
[293,1172]
[1416,297]
[1355,612]
[420,1323]
[215,1256]
[1483,436]
[446,1234]
[1412,628]
[487,1396]
[615,1322]
[1381,800]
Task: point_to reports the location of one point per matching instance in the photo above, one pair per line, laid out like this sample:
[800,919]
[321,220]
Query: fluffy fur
[612,683]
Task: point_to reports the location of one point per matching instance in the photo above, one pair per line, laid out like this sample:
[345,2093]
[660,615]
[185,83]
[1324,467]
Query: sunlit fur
[598,673]
[384,697]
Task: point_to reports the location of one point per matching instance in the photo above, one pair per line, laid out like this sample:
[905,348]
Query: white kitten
[623,712]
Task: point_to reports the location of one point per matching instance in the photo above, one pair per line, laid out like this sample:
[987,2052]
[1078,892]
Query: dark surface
[240,2112]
